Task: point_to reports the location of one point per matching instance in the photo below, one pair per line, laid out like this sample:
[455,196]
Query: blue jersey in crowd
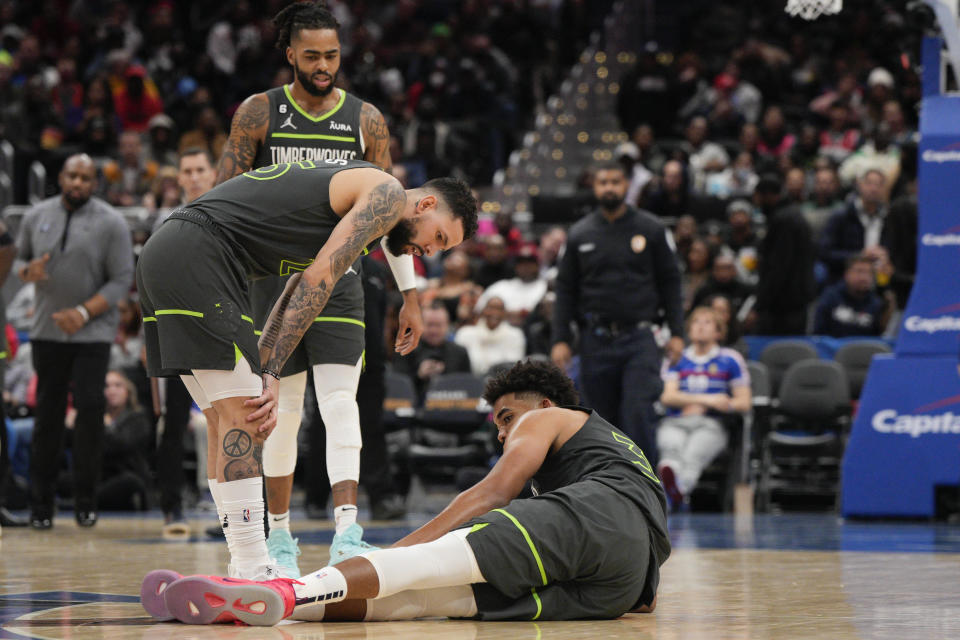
[717,371]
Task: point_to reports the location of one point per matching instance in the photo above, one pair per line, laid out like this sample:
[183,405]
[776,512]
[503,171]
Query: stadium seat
[779,355]
[800,453]
[855,358]
[399,403]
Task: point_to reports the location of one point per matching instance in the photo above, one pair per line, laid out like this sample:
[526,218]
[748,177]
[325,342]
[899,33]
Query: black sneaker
[7,519]
[86,518]
[41,522]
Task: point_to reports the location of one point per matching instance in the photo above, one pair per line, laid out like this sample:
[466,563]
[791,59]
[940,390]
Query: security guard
[616,277]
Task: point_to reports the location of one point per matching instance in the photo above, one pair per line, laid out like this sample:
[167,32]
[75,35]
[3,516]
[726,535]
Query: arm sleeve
[401,267]
[568,293]
[668,283]
[118,262]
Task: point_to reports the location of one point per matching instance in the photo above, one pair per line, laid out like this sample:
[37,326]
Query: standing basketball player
[192,277]
[312,120]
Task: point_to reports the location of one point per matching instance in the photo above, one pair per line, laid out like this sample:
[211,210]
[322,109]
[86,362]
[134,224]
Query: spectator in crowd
[851,307]
[736,181]
[839,139]
[628,154]
[208,133]
[507,229]
[684,233]
[80,276]
[749,139]
[846,92]
[135,104]
[496,264]
[824,200]
[705,385]
[453,286]
[859,227]
[538,327]
[785,285]
[723,281]
[491,340]
[651,156]
[900,134]
[876,153]
[879,90]
[732,336]
[617,273]
[521,293]
[127,346]
[669,196]
[795,186]
[696,271]
[704,157]
[162,145]
[436,353]
[125,483]
[99,127]
[129,178]
[775,140]
[551,248]
[742,240]
[7,254]
[807,149]
[902,244]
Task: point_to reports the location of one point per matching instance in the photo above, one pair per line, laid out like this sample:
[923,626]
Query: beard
[400,236]
[75,203]
[307,81]
[611,201]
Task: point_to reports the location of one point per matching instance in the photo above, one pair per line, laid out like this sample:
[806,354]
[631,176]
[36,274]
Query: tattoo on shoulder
[241,147]
[377,136]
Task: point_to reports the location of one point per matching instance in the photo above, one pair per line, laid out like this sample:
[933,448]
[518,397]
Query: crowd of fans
[785,169]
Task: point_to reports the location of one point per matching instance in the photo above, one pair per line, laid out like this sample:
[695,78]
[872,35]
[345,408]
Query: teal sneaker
[349,544]
[284,551]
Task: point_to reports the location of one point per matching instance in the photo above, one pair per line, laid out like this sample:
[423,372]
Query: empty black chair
[802,451]
[855,358]
[779,355]
[400,402]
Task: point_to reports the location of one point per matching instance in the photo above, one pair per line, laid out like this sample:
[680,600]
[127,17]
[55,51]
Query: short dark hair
[302,15]
[610,165]
[858,258]
[541,378]
[458,196]
[197,151]
[769,184]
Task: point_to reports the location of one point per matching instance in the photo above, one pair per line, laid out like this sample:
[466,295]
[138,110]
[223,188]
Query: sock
[324,586]
[344,515]
[217,500]
[280,521]
[243,509]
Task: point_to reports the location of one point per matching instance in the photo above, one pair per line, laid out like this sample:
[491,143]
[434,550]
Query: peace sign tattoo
[236,443]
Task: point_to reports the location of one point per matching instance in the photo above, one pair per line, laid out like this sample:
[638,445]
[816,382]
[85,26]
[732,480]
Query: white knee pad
[280,449]
[336,386]
[446,562]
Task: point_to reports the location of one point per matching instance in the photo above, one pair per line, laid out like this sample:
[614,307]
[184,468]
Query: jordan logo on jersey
[288,122]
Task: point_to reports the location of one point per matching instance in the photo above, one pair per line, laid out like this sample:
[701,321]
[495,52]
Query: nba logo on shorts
[246,515]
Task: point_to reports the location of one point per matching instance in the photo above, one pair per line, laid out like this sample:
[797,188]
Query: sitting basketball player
[588,545]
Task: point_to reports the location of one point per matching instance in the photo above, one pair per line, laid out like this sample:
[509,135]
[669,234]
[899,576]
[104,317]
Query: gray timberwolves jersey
[296,136]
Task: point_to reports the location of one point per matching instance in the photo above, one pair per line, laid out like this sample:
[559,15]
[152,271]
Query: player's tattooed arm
[247,133]
[372,217]
[271,329]
[376,137]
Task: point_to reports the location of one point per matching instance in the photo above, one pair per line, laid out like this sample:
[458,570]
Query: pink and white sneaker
[152,591]
[212,599]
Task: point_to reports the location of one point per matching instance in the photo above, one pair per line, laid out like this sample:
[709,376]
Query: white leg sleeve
[336,386]
[445,562]
[196,393]
[280,449]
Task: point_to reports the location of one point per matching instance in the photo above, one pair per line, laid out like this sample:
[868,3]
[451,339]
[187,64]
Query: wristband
[401,267]
[83,312]
[270,372]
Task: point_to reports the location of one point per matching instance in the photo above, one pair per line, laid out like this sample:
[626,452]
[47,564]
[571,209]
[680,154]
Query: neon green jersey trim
[477,527]
[536,598]
[247,318]
[178,312]
[526,536]
[237,353]
[313,136]
[3,355]
[149,319]
[257,333]
[343,98]
[359,323]
[249,174]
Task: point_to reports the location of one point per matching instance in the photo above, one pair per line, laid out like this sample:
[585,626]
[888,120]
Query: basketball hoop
[812,9]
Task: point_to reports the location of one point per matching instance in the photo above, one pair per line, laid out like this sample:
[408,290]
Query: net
[812,9]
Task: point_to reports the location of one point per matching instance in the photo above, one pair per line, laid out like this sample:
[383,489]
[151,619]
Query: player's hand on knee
[266,404]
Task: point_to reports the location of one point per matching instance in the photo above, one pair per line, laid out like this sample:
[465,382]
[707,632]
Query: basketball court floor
[760,577]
